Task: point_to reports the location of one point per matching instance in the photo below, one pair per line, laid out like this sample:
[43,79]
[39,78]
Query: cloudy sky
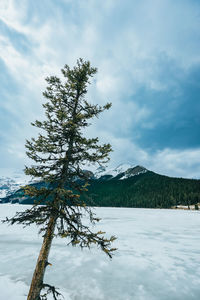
[148,57]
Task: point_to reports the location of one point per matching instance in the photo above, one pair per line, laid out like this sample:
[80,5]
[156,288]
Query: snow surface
[157,258]
[127,175]
[113,172]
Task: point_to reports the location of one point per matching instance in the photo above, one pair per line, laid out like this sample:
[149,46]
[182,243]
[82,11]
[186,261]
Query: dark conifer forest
[148,190]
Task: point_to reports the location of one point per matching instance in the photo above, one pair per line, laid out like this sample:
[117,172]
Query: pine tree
[60,153]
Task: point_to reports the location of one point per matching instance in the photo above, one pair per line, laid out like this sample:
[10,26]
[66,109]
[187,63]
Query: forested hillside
[145,190]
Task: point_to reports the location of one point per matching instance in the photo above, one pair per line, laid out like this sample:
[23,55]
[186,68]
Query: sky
[148,57]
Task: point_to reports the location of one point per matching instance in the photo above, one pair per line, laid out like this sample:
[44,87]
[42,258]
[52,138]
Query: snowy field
[158,257]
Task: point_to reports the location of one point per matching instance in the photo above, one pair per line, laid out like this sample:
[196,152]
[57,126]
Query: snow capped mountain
[6,185]
[101,171]
[11,182]
[133,172]
[122,171]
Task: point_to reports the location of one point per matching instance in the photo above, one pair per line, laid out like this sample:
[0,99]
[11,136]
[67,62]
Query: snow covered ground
[157,258]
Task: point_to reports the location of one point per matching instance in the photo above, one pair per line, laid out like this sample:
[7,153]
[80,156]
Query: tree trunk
[37,280]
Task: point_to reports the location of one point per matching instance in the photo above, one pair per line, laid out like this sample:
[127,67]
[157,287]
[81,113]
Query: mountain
[13,182]
[130,186]
[143,189]
[10,186]
[123,171]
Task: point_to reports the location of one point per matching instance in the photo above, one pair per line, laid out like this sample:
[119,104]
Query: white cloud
[180,163]
[13,13]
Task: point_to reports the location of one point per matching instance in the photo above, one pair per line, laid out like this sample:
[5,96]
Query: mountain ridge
[127,186]
[8,185]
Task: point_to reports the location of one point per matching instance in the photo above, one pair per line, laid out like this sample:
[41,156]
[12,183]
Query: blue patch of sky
[9,90]
[174,115]
[38,12]
[18,40]
[7,81]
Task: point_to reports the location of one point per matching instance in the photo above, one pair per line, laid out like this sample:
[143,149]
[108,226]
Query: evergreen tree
[60,153]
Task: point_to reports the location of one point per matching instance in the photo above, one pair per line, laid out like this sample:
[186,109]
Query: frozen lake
[158,257]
